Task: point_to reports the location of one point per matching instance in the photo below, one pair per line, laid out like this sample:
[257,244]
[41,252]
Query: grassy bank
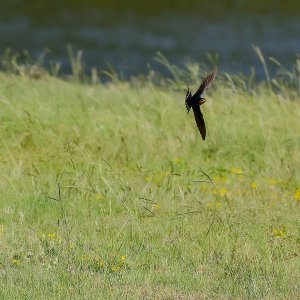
[107,191]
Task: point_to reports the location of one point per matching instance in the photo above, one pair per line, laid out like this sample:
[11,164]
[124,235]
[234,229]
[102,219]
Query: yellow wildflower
[1,229]
[16,262]
[297,195]
[219,178]
[272,181]
[279,233]
[99,197]
[156,206]
[176,160]
[115,268]
[99,262]
[236,171]
[253,185]
[159,177]
[223,191]
[123,257]
[218,204]
[157,180]
[51,236]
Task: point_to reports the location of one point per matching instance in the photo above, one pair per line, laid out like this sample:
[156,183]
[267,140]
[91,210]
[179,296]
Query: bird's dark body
[194,102]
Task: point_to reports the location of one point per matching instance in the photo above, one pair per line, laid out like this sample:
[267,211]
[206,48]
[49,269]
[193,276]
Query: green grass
[108,191]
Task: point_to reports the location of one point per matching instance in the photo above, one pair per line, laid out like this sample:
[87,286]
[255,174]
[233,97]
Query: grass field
[108,192]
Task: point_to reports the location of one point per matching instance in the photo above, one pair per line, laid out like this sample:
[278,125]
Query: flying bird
[194,101]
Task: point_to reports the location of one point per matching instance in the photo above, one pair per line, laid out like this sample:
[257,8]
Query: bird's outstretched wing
[199,120]
[206,83]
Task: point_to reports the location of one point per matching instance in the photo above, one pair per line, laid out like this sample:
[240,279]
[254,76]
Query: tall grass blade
[264,64]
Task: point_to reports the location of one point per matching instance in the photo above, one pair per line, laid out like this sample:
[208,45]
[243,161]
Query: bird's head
[201,101]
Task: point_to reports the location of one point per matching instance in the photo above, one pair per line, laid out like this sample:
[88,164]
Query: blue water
[129,41]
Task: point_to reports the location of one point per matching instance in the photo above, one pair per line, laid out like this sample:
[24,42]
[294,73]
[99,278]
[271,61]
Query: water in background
[128,34]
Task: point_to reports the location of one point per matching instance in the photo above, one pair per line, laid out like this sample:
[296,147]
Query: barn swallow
[196,100]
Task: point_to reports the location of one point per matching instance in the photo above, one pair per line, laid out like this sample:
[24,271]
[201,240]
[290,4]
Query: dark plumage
[194,102]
